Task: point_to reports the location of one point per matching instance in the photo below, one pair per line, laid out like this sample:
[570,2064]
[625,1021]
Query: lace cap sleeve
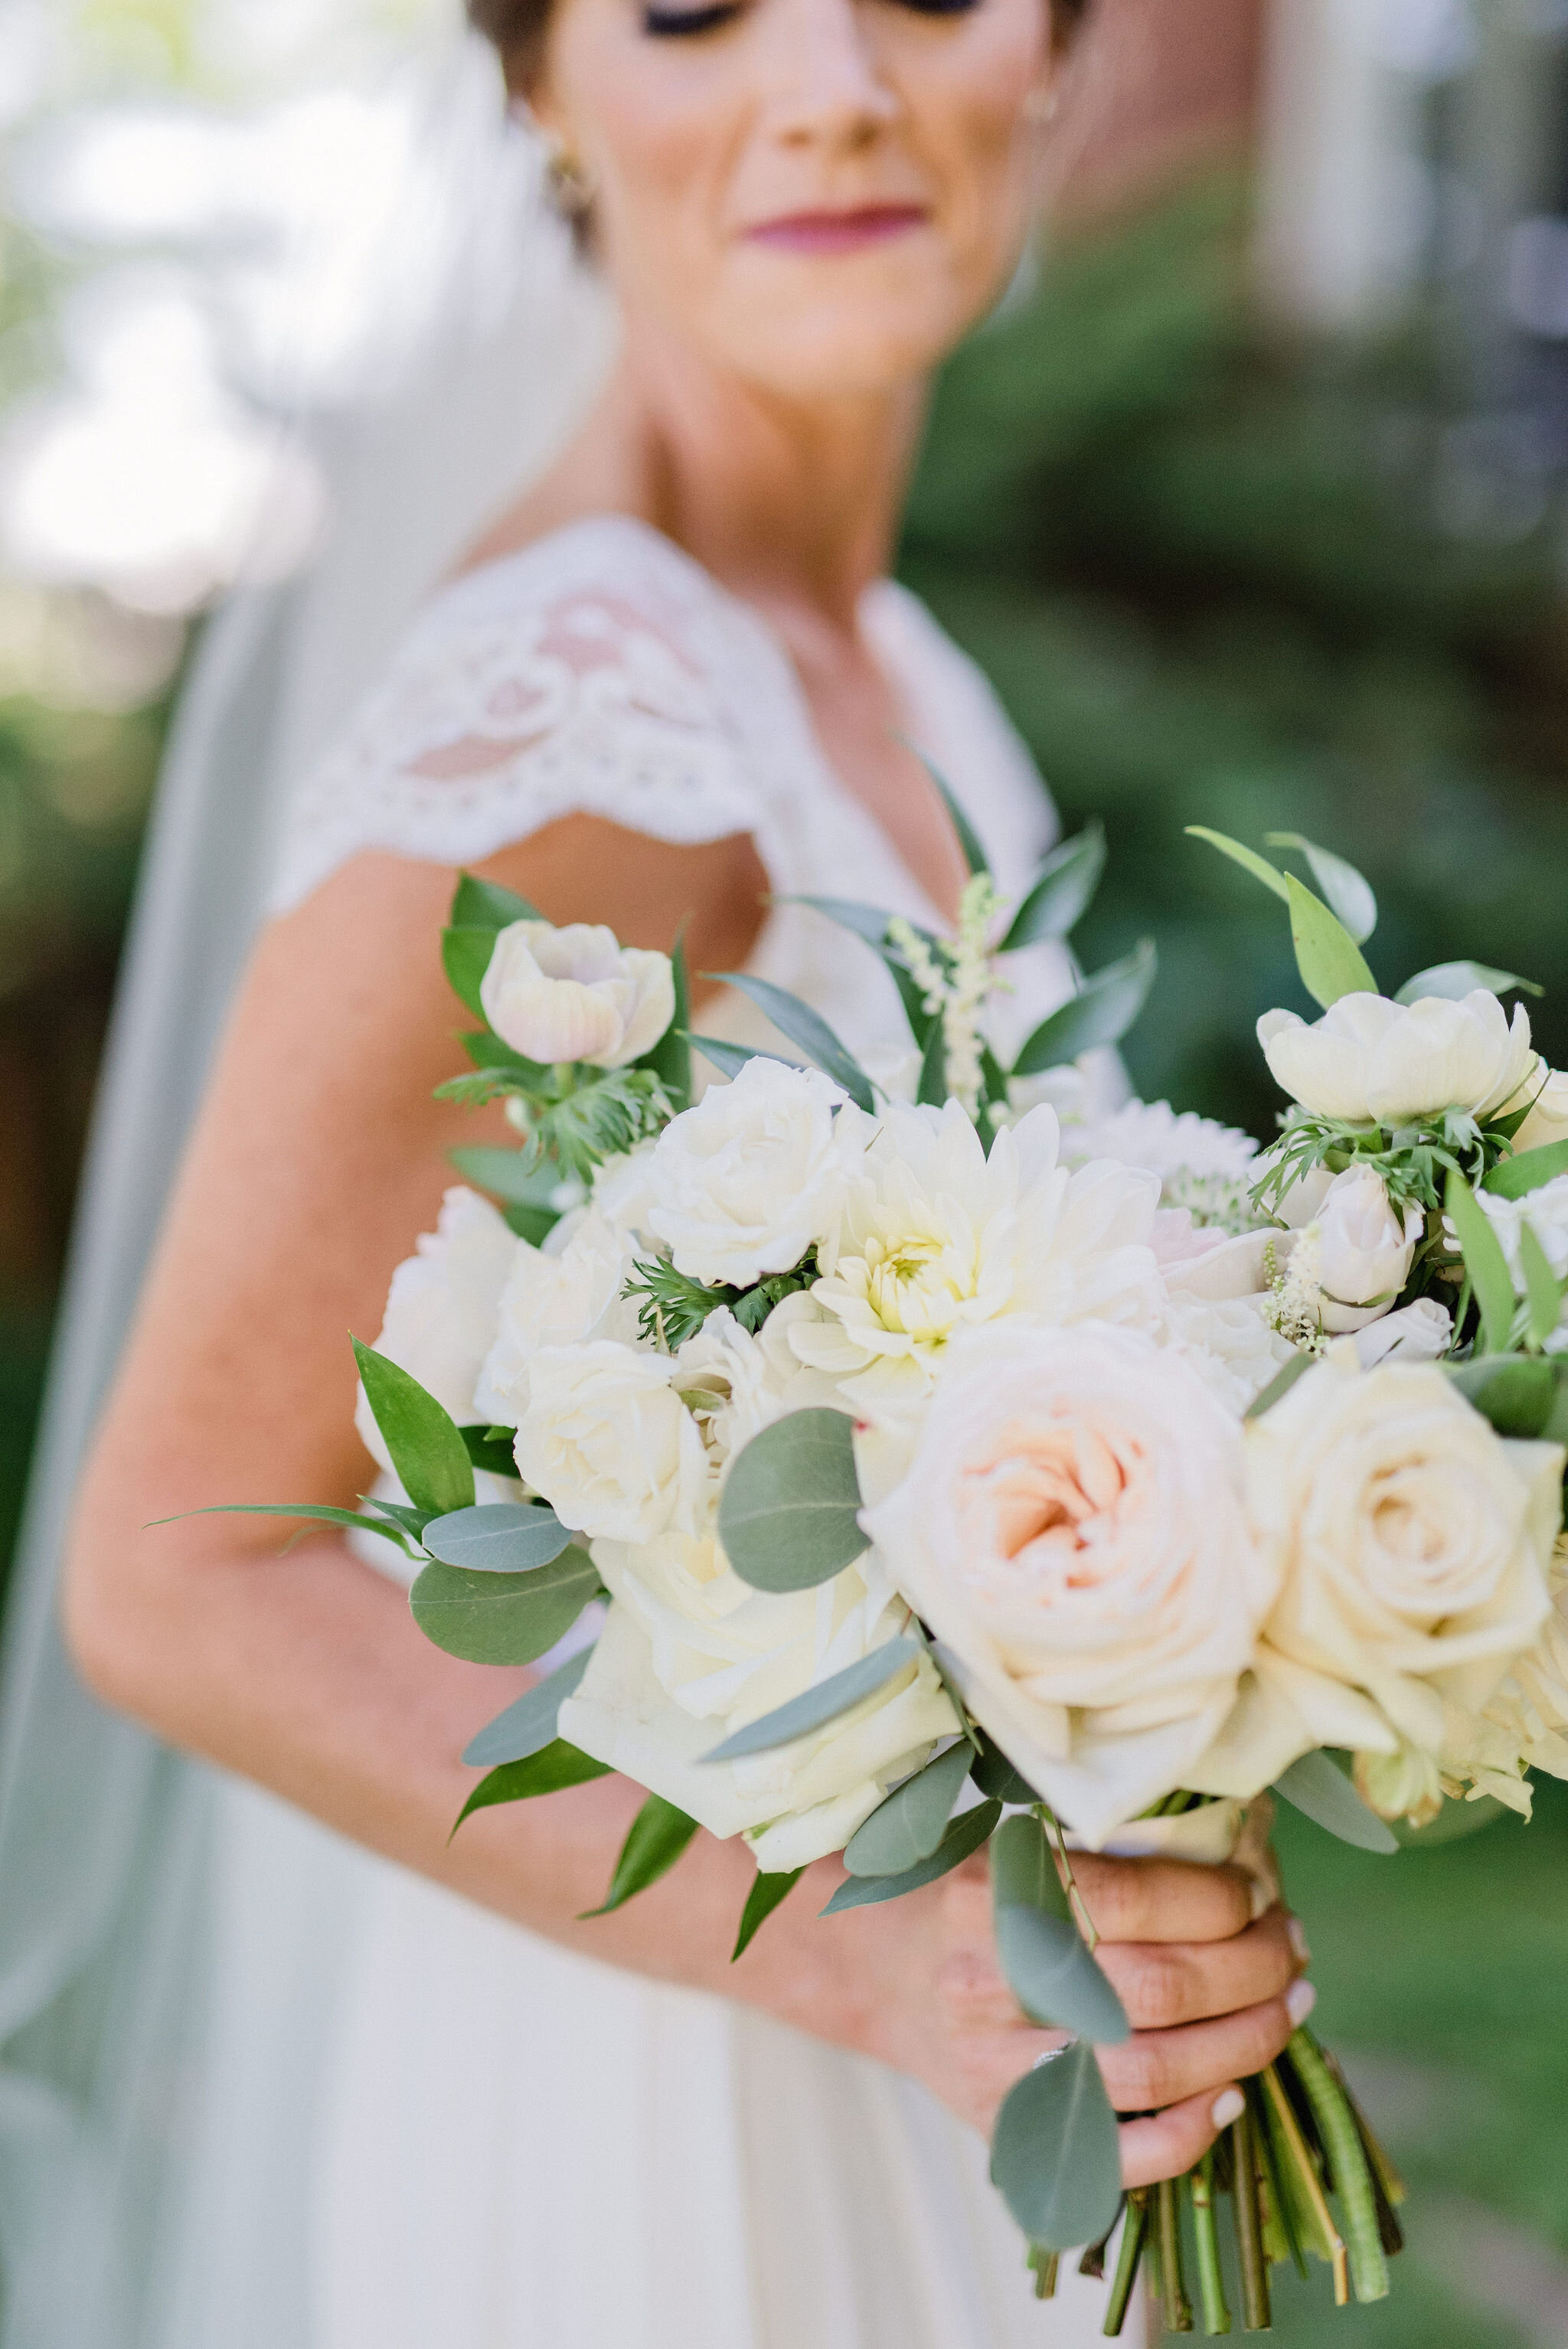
[586,675]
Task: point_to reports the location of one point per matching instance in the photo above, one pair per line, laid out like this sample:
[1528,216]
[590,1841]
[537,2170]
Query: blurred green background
[1223,570]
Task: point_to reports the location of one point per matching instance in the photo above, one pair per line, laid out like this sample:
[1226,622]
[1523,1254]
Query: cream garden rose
[1072,1529]
[745,1182]
[442,1309]
[607,1440]
[566,1293]
[576,994]
[1409,1545]
[1374,1062]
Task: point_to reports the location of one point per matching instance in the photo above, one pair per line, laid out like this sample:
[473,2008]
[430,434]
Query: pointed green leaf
[527,1726]
[507,1174]
[1515,1178]
[1053,1974]
[670,1058]
[549,1772]
[1330,962]
[1055,2157]
[533,1225]
[503,1619]
[465,957]
[730,1058]
[301,1510]
[1485,1263]
[1347,894]
[1319,1789]
[490,1449]
[1247,858]
[788,1516]
[1454,980]
[968,838]
[498,1537]
[806,1028]
[867,922]
[1542,1291]
[1062,891]
[486,906]
[931,1092]
[659,1834]
[816,1706]
[1280,1385]
[1102,1012]
[1514,1393]
[908,1826]
[965,1834]
[411,1521]
[995,1775]
[766,1893]
[427,1453]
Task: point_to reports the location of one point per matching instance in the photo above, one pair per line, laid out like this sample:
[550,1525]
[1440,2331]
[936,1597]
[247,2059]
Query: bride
[434,2109]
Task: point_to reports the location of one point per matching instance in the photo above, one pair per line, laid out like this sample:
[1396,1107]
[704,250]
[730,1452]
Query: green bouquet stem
[1206,2231]
[1349,2171]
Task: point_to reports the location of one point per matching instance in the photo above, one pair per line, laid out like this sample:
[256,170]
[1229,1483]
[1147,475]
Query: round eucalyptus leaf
[821,1703]
[1316,1787]
[908,1826]
[790,1513]
[503,1619]
[529,1725]
[1054,2156]
[497,1537]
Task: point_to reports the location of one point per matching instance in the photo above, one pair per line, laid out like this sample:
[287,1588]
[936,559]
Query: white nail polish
[1227,2106]
[1299,2000]
[1297,1932]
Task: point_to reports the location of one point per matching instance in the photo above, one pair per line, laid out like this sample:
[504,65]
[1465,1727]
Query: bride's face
[820,195]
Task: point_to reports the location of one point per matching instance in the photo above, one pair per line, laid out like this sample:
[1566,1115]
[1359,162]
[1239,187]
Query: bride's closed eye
[674,24]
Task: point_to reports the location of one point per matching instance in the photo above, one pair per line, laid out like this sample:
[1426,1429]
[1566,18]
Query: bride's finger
[1163,2145]
[1163,1983]
[1156,2068]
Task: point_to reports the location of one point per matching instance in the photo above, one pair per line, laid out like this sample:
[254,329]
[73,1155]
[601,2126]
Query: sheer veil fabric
[259,2090]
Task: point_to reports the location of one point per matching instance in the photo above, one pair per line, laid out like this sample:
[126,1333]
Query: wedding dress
[511,2145]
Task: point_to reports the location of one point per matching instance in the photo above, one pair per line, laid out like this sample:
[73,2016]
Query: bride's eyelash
[671,24]
[940,7]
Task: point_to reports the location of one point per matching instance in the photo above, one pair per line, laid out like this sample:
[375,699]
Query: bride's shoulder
[594,671]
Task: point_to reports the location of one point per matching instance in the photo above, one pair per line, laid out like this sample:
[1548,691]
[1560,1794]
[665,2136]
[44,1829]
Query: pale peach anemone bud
[576,994]
[1072,1529]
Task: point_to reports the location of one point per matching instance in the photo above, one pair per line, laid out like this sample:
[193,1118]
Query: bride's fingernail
[1297,1932]
[1227,2106]
[1299,2000]
[1260,1896]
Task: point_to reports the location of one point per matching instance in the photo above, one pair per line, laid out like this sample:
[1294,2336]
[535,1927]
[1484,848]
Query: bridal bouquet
[897,1464]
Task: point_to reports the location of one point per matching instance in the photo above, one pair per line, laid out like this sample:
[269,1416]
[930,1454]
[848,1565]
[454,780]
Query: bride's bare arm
[318,1155]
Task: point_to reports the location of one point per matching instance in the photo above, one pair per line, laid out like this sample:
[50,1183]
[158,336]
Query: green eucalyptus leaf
[788,1516]
[1320,1790]
[805,1028]
[1062,891]
[491,1449]
[1056,2156]
[1102,1012]
[968,838]
[1454,980]
[1280,1385]
[507,1174]
[766,1893]
[659,1834]
[670,1058]
[503,1619]
[1543,1292]
[907,1827]
[498,1537]
[1330,962]
[1485,1263]
[549,1772]
[1052,1972]
[995,1775]
[1515,1393]
[465,957]
[964,1835]
[427,1453]
[1247,858]
[1346,893]
[1515,1178]
[816,1706]
[528,1725]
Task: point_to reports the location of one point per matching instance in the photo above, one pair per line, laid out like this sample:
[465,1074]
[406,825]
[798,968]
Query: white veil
[106,1854]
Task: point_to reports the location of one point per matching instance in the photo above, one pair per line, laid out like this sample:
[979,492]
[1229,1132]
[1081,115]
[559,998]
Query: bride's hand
[1213,1992]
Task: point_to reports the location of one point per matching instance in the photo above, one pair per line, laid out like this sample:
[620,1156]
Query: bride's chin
[840,347]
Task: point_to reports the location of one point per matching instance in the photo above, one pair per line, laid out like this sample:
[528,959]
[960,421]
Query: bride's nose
[828,85]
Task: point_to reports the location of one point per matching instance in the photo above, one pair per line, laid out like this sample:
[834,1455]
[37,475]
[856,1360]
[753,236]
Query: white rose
[1374,1063]
[745,1182]
[608,1441]
[442,1309]
[1367,1248]
[937,1237]
[1421,1332]
[1229,1344]
[690,1653]
[1072,1528]
[576,994]
[1411,1545]
[1548,1119]
[564,1294]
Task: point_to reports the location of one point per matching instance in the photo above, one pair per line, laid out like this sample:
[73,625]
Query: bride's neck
[784,500]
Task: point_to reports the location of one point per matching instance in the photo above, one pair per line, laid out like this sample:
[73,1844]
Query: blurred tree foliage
[1218,580]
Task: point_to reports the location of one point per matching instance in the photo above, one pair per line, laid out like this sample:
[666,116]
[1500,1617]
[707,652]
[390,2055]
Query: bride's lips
[838,232]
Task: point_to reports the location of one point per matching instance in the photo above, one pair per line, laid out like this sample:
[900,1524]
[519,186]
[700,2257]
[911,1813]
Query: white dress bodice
[503,2145]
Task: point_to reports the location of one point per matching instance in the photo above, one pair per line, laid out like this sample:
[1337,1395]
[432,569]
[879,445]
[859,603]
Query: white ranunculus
[1421,1332]
[607,1440]
[564,1294]
[442,1309]
[935,1238]
[576,994]
[1548,1119]
[1545,1211]
[745,1182]
[1374,1062]
[1072,1529]
[1411,1545]
[690,1653]
[1367,1248]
